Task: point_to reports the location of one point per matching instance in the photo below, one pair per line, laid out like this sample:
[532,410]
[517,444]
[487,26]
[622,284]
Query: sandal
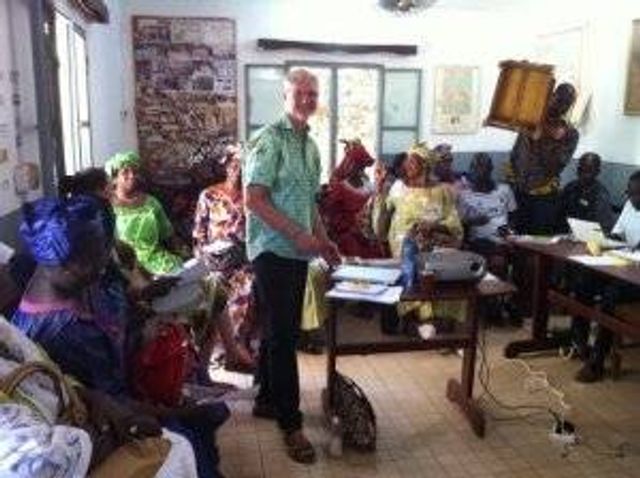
[299,448]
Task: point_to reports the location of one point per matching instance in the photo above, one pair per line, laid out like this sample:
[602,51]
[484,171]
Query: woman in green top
[140,219]
[142,224]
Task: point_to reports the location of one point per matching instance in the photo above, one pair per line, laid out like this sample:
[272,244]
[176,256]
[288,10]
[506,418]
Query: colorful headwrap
[54,229]
[356,157]
[121,160]
[421,150]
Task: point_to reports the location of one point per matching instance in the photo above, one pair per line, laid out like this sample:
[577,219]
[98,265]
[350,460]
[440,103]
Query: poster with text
[456,100]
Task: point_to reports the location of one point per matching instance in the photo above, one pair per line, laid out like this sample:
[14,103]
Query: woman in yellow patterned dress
[426,206]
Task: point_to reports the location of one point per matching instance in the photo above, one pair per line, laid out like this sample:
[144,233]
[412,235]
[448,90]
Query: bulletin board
[185,89]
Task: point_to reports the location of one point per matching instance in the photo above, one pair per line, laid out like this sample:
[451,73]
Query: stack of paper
[626,254]
[388,295]
[376,275]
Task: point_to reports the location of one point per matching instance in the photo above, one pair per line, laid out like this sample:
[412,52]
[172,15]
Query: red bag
[162,365]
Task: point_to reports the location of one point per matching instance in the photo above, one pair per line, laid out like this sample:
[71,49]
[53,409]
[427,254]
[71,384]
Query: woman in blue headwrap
[68,241]
[67,238]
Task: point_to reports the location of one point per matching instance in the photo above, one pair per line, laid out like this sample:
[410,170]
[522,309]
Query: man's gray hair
[299,76]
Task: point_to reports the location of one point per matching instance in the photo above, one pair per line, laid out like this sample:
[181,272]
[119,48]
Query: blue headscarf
[55,229]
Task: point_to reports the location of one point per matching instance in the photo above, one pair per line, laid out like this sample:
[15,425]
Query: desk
[544,255]
[460,392]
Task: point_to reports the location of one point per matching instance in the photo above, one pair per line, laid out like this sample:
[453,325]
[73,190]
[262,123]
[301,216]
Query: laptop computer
[587,230]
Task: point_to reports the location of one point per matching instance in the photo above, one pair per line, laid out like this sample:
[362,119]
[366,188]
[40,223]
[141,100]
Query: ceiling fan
[406,6]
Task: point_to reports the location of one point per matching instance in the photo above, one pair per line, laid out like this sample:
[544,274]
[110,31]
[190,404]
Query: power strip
[564,433]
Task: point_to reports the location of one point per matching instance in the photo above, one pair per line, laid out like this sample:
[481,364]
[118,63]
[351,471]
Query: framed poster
[632,94]
[456,104]
[185,89]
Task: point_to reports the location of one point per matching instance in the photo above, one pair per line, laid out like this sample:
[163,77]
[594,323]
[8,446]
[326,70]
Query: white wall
[107,91]
[443,37]
[615,136]
[607,130]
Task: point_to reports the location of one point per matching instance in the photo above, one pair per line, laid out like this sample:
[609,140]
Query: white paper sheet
[538,239]
[378,275]
[605,260]
[194,270]
[626,254]
[6,253]
[390,296]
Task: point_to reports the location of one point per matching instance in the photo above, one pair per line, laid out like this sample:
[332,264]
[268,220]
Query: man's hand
[330,253]
[308,244]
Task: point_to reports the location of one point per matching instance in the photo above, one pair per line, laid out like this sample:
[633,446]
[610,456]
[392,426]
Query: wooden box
[521,96]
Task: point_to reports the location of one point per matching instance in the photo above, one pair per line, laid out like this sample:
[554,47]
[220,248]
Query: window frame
[415,127]
[73,31]
[248,125]
[334,67]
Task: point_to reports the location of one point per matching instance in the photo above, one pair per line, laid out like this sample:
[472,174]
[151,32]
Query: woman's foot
[299,448]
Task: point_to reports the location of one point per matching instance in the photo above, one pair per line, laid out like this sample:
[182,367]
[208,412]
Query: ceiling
[495,5]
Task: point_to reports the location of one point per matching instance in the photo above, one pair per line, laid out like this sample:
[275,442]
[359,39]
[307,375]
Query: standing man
[537,162]
[284,230]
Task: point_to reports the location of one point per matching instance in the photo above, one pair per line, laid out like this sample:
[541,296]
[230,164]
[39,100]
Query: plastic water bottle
[409,262]
[335,442]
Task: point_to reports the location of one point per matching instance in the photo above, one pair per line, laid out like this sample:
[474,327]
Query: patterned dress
[220,225]
[434,204]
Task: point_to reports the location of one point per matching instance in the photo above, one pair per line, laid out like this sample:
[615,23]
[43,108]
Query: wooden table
[544,256]
[458,391]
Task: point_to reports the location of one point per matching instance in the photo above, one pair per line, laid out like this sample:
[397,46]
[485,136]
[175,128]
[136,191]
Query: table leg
[540,340]
[328,393]
[461,392]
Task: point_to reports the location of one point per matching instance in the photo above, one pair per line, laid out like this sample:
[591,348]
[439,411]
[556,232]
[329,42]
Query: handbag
[357,418]
[162,365]
[96,413]
[72,410]
[137,459]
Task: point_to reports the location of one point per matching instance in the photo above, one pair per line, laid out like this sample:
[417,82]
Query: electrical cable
[484,377]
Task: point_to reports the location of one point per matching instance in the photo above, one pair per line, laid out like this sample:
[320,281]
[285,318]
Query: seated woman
[142,224]
[487,210]
[343,202]
[486,207]
[140,219]
[219,239]
[67,238]
[429,208]
[444,173]
[34,422]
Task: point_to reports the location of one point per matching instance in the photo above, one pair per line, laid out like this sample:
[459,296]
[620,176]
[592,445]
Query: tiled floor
[422,434]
